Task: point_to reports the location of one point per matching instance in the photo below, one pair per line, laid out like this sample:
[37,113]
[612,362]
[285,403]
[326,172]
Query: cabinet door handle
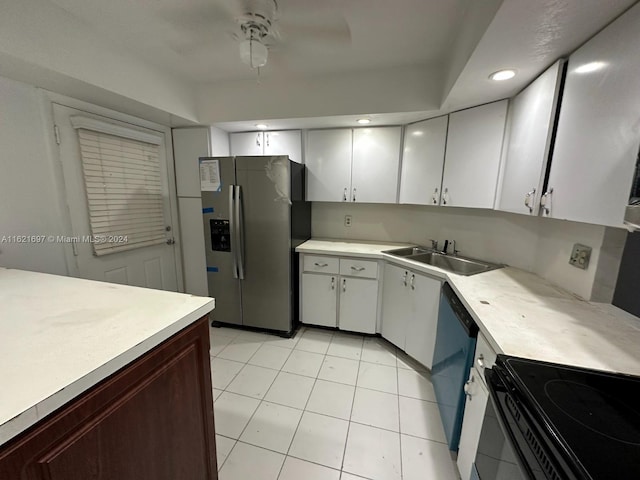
[267,135]
[333,283]
[321,265]
[344,195]
[353,198]
[413,286]
[344,284]
[404,278]
[467,388]
[545,201]
[445,195]
[527,199]
[357,269]
[480,361]
[434,197]
[258,139]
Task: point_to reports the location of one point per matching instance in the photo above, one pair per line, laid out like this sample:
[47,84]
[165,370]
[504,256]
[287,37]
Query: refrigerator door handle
[240,231]
[232,230]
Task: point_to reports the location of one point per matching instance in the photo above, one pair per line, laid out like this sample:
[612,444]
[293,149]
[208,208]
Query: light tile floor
[323,405]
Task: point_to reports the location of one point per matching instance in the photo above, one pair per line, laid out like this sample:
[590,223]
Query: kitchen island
[103,381]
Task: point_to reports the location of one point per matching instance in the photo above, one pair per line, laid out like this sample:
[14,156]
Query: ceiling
[395,61]
[192,38]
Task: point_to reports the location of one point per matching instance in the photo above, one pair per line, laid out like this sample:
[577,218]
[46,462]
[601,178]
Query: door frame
[47,99]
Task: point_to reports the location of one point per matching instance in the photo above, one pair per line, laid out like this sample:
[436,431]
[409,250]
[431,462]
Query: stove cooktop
[595,414]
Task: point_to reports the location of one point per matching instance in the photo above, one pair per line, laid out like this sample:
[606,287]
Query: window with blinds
[124,191]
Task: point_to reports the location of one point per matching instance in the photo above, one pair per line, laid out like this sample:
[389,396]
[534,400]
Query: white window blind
[124,191]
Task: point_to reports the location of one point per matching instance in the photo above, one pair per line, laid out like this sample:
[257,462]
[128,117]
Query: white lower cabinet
[344,295]
[395,304]
[319,299]
[358,304]
[476,403]
[410,312]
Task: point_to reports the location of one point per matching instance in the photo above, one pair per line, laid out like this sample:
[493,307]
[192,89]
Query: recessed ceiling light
[501,75]
[418,133]
[590,67]
[363,121]
[262,126]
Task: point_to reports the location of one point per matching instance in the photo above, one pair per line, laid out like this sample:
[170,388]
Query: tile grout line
[258,406]
[399,419]
[353,402]
[315,381]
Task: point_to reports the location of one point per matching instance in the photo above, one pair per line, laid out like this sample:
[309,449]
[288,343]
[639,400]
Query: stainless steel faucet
[445,248]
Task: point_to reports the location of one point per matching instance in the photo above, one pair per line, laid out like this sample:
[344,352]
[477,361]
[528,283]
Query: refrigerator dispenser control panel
[220,236]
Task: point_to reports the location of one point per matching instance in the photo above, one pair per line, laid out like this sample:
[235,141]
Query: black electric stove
[566,422]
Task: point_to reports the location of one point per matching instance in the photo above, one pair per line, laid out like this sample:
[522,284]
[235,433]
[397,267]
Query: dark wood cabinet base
[153,420]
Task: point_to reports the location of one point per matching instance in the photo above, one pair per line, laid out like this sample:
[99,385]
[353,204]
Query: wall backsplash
[539,245]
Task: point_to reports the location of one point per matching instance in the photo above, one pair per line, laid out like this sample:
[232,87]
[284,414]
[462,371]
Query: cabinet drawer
[485,357]
[359,268]
[320,264]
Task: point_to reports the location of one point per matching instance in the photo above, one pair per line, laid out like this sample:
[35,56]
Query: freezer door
[266,210]
[220,253]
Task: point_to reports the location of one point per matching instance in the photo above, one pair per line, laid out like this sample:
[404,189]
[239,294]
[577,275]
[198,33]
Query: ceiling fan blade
[327,27]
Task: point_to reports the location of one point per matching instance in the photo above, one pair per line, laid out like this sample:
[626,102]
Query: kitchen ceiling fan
[263,25]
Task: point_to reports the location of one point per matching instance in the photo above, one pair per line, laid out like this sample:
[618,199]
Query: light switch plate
[580,256]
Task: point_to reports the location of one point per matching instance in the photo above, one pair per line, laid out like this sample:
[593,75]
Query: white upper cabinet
[531,114]
[359,165]
[599,127]
[472,162]
[328,161]
[376,161]
[283,142]
[422,161]
[246,143]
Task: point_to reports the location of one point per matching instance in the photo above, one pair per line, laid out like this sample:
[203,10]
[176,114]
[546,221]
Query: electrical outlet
[347,220]
[580,256]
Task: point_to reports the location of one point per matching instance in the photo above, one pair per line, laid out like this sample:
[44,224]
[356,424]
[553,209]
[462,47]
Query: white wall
[540,245]
[37,32]
[30,199]
[219,142]
[387,91]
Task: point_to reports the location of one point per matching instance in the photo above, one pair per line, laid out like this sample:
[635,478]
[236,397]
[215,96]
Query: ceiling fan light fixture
[253,53]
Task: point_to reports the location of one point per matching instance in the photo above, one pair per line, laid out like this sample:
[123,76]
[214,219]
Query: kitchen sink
[408,251]
[451,263]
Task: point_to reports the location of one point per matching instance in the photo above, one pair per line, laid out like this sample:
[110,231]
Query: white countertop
[59,336]
[524,315]
[351,249]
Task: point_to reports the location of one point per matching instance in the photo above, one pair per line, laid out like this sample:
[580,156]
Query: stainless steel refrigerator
[254,218]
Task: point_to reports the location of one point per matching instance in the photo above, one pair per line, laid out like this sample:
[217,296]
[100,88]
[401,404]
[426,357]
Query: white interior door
[152,266]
